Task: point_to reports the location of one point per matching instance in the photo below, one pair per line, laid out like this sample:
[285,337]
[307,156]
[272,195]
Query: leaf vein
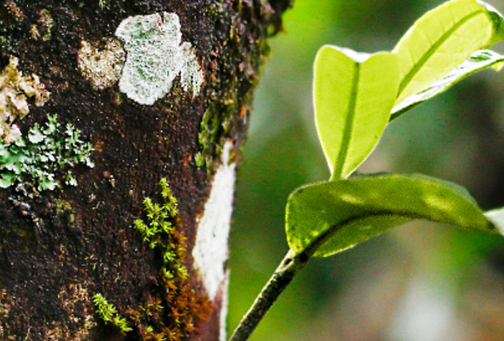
[431,51]
[349,124]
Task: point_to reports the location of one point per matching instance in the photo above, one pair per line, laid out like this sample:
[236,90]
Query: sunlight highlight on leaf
[440,41]
[353,96]
[478,61]
[329,217]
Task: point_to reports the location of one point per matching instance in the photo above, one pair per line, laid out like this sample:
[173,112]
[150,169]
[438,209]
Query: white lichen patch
[211,248]
[155,56]
[101,66]
[15,89]
[191,75]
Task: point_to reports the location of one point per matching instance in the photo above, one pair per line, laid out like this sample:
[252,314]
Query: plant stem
[280,279]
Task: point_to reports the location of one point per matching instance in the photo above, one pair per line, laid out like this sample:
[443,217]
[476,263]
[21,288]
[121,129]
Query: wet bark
[60,244]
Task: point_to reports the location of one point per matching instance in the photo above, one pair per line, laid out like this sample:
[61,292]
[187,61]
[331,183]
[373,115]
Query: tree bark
[159,90]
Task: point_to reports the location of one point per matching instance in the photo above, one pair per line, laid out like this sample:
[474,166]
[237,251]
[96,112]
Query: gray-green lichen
[15,89]
[41,161]
[155,56]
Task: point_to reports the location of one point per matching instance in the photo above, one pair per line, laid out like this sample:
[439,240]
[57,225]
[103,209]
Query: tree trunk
[120,125]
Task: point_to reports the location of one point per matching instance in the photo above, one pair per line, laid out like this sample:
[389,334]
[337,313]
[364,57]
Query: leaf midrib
[348,130]
[321,239]
[412,73]
[487,63]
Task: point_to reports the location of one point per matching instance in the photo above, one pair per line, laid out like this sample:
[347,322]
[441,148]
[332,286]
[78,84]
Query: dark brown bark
[59,248]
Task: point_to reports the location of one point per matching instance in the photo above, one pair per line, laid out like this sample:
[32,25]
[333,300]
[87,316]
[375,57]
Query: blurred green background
[422,281]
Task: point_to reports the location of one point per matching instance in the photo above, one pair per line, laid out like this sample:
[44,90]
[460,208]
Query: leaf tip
[496,218]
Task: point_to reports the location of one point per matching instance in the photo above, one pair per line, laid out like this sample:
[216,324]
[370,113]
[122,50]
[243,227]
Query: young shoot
[355,96]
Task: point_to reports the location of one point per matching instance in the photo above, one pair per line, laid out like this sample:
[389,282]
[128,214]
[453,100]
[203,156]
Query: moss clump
[159,217]
[108,313]
[173,312]
[215,126]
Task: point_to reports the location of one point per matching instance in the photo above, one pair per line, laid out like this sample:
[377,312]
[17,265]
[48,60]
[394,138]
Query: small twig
[281,278]
[283,275]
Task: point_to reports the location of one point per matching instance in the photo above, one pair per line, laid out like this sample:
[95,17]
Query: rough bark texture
[59,248]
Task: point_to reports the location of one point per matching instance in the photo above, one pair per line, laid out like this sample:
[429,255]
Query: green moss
[215,125]
[159,217]
[108,313]
[43,160]
[209,127]
[173,312]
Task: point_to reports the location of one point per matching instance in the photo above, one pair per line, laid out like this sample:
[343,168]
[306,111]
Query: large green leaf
[353,94]
[441,40]
[479,60]
[329,217]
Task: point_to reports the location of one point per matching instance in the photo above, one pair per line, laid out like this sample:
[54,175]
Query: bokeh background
[422,281]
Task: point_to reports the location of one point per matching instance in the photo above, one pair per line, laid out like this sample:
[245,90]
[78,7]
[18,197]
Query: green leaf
[479,60]
[329,217]
[441,40]
[353,94]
